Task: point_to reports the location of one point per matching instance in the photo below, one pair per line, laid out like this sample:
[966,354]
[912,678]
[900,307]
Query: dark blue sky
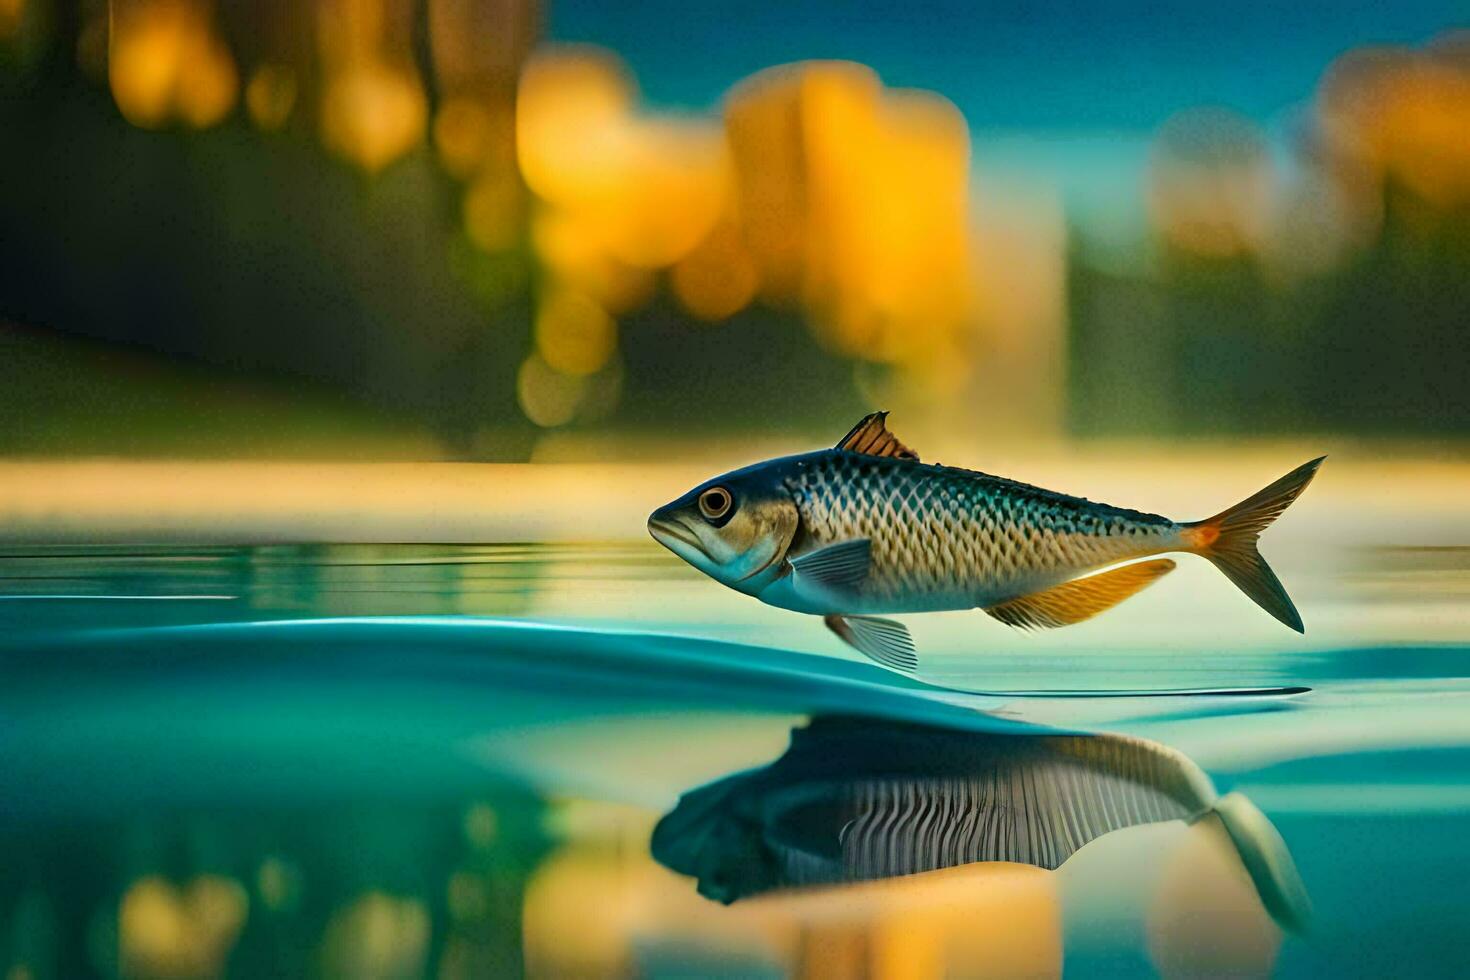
[1031,66]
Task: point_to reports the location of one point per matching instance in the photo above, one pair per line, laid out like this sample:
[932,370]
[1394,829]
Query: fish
[866,529]
[861,799]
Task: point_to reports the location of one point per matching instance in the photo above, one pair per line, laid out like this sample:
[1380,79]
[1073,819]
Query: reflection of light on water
[480,825]
[601,905]
[378,935]
[1157,880]
[278,882]
[1204,883]
[166,930]
[591,910]
[1194,631]
[100,597]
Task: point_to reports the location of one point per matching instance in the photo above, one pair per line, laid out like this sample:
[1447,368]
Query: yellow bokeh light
[646,190]
[271,95]
[547,397]
[141,67]
[207,89]
[825,189]
[373,106]
[373,115]
[478,45]
[166,60]
[821,188]
[492,212]
[718,278]
[576,257]
[665,192]
[603,393]
[1203,881]
[564,888]
[378,935]
[854,200]
[989,919]
[1402,114]
[572,112]
[463,133]
[763,124]
[12,12]
[167,931]
[573,334]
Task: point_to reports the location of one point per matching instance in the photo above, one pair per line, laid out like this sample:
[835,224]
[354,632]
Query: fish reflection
[858,799]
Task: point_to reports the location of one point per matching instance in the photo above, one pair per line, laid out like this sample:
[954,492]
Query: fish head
[715,838]
[735,528]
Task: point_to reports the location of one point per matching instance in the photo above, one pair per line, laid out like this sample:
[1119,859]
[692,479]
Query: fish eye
[715,503]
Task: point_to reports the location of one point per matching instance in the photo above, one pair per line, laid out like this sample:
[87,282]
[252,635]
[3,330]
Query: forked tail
[1267,861]
[1229,540]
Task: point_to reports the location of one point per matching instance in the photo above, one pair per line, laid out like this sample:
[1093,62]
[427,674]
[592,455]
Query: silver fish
[859,799]
[866,528]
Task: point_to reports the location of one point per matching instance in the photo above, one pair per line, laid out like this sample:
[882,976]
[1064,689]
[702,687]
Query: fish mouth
[670,532]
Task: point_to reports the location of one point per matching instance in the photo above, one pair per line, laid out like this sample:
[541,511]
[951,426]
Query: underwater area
[563,759]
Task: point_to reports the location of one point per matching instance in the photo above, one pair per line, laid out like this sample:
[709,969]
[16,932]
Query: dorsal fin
[872,438]
[1082,598]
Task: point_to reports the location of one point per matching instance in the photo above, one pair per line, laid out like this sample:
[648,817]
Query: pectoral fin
[1082,598]
[880,640]
[836,566]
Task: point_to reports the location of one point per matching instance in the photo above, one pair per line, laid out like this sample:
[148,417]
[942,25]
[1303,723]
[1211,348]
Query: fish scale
[940,533]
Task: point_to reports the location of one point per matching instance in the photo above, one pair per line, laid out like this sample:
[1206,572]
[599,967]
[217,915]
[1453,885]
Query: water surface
[453,761]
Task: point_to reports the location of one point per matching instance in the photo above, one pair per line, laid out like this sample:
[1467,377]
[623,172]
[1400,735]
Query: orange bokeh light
[271,95]
[1402,114]
[166,61]
[372,105]
[12,12]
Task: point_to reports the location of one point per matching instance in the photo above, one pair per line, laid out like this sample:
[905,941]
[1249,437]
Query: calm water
[364,761]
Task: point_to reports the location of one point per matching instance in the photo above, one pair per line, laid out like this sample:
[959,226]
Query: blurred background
[502,230]
[347,311]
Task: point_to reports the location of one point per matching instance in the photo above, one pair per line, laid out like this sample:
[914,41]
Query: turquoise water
[451,761]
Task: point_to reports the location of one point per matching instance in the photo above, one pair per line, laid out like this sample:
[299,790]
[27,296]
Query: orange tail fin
[1229,540]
